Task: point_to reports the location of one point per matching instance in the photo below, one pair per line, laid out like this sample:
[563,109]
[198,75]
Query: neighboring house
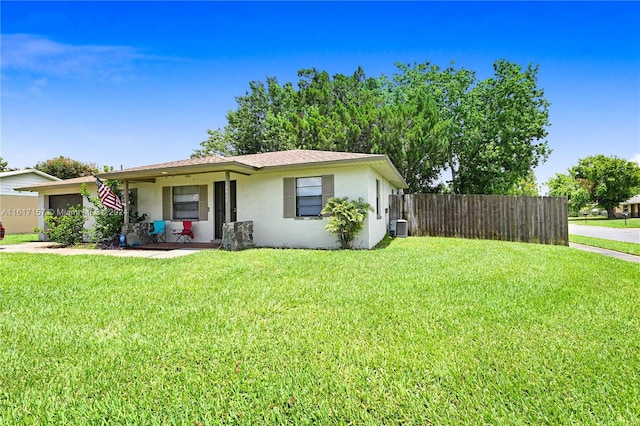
[631,206]
[281,193]
[19,210]
[57,197]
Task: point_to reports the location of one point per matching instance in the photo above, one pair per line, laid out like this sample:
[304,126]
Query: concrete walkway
[625,235]
[50,248]
[610,253]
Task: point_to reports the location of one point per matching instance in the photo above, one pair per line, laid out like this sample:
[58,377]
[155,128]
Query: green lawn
[18,238]
[609,223]
[426,331]
[630,248]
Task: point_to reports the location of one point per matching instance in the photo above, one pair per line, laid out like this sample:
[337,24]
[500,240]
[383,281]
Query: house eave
[59,184]
[29,171]
[148,174]
[380,164]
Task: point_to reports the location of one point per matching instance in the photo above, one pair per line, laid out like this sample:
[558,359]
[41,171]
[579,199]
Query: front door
[220,205]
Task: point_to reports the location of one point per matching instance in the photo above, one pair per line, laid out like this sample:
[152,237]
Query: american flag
[108,197]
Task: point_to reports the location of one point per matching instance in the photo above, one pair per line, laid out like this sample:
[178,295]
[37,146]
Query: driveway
[627,235]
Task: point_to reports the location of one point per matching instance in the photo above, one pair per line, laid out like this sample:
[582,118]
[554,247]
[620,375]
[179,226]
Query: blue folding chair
[158,233]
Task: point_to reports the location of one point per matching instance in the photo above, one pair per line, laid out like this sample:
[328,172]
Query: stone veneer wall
[237,235]
[136,233]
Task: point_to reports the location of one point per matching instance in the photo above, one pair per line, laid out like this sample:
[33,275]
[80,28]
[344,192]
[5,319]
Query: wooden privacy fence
[491,217]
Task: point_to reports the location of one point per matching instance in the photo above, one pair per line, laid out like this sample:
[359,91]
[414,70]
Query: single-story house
[19,210]
[56,197]
[631,206]
[279,193]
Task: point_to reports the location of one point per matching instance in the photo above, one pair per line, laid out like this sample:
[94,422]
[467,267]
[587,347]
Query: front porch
[175,246]
[235,236]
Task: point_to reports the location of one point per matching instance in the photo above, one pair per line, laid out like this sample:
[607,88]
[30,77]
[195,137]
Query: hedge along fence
[540,220]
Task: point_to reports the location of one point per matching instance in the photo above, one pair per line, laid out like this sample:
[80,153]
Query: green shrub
[108,222]
[68,229]
[346,218]
[108,226]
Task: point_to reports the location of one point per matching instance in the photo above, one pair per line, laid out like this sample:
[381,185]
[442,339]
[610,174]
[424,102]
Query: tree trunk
[611,213]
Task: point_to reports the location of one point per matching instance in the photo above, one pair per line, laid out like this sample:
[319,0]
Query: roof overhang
[381,164]
[245,165]
[59,184]
[150,174]
[29,171]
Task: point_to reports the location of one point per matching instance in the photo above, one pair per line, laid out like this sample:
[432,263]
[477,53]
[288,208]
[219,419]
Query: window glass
[185,202]
[308,196]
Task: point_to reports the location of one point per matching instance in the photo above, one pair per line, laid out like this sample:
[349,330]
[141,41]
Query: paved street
[627,235]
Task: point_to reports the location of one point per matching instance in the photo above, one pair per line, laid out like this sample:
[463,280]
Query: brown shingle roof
[248,164]
[257,161]
[299,156]
[212,159]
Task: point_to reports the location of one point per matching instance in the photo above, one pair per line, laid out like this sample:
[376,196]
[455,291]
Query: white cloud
[37,86]
[27,52]
[635,157]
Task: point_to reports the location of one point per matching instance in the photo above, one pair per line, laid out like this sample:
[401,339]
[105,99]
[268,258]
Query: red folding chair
[186,232]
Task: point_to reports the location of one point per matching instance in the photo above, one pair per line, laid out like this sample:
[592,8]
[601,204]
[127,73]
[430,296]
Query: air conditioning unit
[399,228]
[402,228]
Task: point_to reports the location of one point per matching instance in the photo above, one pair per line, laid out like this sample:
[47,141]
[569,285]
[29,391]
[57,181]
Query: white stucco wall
[262,202]
[150,202]
[260,199]
[379,223]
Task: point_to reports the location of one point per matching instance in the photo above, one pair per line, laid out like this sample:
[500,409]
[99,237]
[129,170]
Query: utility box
[402,228]
[392,227]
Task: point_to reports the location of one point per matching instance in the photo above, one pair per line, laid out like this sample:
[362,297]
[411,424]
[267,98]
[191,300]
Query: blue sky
[134,83]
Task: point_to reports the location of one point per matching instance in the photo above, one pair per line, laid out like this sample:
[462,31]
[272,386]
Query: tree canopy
[66,168]
[4,166]
[487,135]
[598,180]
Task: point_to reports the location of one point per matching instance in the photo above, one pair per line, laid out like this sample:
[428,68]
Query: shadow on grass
[384,243]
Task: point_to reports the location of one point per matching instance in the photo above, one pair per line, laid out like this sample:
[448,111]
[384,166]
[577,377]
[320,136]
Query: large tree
[413,136]
[495,127]
[260,122]
[504,131]
[66,168]
[4,166]
[564,185]
[341,113]
[607,181]
[216,144]
[488,134]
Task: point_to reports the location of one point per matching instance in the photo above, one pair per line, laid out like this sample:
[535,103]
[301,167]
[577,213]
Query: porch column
[126,201]
[227,197]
